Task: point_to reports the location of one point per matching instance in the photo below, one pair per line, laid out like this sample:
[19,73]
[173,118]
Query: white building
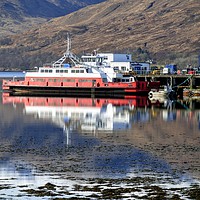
[119,62]
[140,67]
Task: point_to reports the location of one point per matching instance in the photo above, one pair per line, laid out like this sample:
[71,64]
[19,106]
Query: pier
[177,82]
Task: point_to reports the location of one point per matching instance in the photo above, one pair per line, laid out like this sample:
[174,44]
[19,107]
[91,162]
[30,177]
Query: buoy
[150,95]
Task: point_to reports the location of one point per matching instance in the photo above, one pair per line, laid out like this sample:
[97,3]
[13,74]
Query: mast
[68,54]
[68,44]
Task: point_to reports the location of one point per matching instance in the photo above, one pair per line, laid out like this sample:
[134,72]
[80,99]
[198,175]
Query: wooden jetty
[184,85]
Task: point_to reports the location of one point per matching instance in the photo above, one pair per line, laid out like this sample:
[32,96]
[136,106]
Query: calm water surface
[80,148]
[13,75]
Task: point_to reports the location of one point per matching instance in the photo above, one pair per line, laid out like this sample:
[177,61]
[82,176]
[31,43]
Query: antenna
[68,44]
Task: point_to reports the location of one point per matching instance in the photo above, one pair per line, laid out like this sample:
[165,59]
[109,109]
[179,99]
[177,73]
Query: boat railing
[76,58]
[47,65]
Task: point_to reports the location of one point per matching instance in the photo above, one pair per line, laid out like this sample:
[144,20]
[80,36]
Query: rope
[184,106]
[183,81]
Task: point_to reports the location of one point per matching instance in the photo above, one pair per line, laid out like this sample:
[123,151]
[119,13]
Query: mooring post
[194,82]
[191,105]
[171,81]
[191,82]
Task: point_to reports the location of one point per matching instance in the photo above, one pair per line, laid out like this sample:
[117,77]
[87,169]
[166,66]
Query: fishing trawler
[78,78]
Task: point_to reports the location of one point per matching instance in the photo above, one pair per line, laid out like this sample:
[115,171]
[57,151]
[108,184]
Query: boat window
[125,80]
[46,70]
[68,80]
[85,80]
[50,71]
[40,80]
[57,71]
[105,80]
[61,71]
[81,71]
[116,68]
[55,80]
[42,71]
[123,68]
[77,71]
[72,71]
[65,71]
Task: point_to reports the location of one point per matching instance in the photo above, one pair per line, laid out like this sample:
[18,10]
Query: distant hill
[165,31]
[18,15]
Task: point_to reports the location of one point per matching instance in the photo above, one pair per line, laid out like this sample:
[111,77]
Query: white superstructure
[106,118]
[120,62]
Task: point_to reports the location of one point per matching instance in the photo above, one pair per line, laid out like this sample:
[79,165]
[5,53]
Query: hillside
[19,15]
[166,31]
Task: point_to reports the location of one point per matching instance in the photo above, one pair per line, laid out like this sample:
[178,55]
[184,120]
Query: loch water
[87,148]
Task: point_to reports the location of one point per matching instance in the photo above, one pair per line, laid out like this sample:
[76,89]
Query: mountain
[18,15]
[165,31]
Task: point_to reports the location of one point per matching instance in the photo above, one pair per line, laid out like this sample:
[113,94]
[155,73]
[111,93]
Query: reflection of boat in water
[98,114]
[85,114]
[94,114]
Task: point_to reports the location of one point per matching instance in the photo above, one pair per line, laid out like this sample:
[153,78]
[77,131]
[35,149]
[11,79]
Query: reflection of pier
[97,115]
[91,114]
[160,128]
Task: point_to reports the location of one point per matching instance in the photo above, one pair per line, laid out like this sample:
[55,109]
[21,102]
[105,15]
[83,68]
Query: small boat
[78,78]
[165,93]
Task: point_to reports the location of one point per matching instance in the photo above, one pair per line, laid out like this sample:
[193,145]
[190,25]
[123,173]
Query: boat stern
[5,85]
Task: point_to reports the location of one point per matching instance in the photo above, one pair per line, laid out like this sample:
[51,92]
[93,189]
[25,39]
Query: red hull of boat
[76,87]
